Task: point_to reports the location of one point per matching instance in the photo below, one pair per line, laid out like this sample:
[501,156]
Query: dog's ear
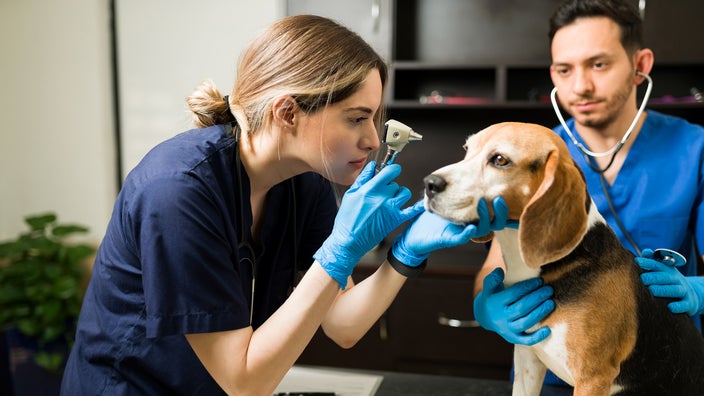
[555,219]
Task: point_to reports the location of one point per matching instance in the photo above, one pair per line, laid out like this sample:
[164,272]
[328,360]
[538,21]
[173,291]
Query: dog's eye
[464,146]
[500,161]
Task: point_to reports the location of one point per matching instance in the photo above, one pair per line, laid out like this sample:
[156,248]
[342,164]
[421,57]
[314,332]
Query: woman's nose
[370,140]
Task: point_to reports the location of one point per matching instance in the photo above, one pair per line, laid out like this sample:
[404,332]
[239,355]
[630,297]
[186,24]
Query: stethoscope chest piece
[669,257]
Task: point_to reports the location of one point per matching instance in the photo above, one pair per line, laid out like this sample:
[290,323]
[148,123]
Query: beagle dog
[609,335]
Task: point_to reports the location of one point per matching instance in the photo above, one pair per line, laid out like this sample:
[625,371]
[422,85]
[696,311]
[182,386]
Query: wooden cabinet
[429,328]
[432,329]
[457,67]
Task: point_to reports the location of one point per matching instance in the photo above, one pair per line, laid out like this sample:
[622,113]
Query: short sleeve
[189,276]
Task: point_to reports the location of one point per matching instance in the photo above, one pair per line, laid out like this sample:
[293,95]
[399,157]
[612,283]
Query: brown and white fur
[608,334]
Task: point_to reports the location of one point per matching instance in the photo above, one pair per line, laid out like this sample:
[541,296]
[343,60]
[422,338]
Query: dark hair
[624,12]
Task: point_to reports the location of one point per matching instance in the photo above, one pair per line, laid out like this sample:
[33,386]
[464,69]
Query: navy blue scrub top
[170,265]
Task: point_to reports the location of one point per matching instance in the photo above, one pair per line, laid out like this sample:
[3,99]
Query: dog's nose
[433,185]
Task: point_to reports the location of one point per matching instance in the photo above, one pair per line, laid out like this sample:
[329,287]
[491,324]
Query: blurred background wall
[61,102]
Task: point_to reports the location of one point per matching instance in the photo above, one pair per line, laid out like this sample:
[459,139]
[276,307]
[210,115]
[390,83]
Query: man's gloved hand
[511,311]
[370,209]
[665,280]
[430,232]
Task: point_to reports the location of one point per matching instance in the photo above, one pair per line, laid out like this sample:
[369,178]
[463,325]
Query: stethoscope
[617,147]
[665,255]
[244,242]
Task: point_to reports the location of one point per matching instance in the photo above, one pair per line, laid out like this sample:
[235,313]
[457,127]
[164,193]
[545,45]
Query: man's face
[593,73]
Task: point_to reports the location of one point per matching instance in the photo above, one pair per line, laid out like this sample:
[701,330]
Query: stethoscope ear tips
[669,257]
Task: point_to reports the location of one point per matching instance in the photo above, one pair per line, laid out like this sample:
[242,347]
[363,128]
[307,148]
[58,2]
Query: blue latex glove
[511,311]
[665,280]
[370,209]
[430,232]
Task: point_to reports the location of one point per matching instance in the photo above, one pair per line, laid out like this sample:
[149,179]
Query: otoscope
[396,136]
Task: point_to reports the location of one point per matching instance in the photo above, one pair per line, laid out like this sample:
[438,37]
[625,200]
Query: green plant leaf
[27,275]
[52,333]
[79,252]
[40,282]
[28,327]
[52,272]
[49,361]
[65,287]
[41,246]
[35,292]
[11,250]
[40,221]
[10,294]
[68,229]
[22,310]
[49,310]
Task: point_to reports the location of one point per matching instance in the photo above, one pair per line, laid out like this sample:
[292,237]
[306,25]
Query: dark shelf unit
[509,86]
[496,56]
[476,85]
[494,59]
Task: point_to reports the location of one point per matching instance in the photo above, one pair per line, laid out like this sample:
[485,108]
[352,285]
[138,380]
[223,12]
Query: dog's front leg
[529,372]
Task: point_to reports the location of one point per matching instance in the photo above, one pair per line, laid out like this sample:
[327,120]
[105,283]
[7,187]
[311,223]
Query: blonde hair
[311,58]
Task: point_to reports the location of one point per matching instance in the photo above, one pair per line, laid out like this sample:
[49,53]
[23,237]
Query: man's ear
[643,62]
[285,111]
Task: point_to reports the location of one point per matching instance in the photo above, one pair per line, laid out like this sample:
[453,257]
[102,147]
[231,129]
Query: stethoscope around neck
[244,243]
[589,155]
[617,147]
[667,256]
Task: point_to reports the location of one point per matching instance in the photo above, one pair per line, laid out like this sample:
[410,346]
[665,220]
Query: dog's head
[530,167]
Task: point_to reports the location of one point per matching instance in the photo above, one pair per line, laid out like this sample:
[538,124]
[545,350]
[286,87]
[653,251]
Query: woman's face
[344,133]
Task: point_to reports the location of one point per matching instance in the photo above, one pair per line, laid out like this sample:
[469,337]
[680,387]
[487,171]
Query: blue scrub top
[171,264]
[657,194]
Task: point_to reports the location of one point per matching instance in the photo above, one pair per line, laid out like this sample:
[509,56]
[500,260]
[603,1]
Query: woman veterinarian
[192,288]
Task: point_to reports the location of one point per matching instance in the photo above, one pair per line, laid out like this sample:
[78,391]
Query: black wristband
[403,269]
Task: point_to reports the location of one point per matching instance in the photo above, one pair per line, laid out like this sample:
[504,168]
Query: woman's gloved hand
[370,209]
[511,311]
[430,232]
[665,280]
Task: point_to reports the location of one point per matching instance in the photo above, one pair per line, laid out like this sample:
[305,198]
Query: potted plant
[41,288]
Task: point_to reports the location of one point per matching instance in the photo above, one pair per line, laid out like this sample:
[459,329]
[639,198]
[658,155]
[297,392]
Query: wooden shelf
[468,49]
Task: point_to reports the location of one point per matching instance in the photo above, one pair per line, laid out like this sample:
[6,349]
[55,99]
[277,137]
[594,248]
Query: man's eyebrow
[591,59]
